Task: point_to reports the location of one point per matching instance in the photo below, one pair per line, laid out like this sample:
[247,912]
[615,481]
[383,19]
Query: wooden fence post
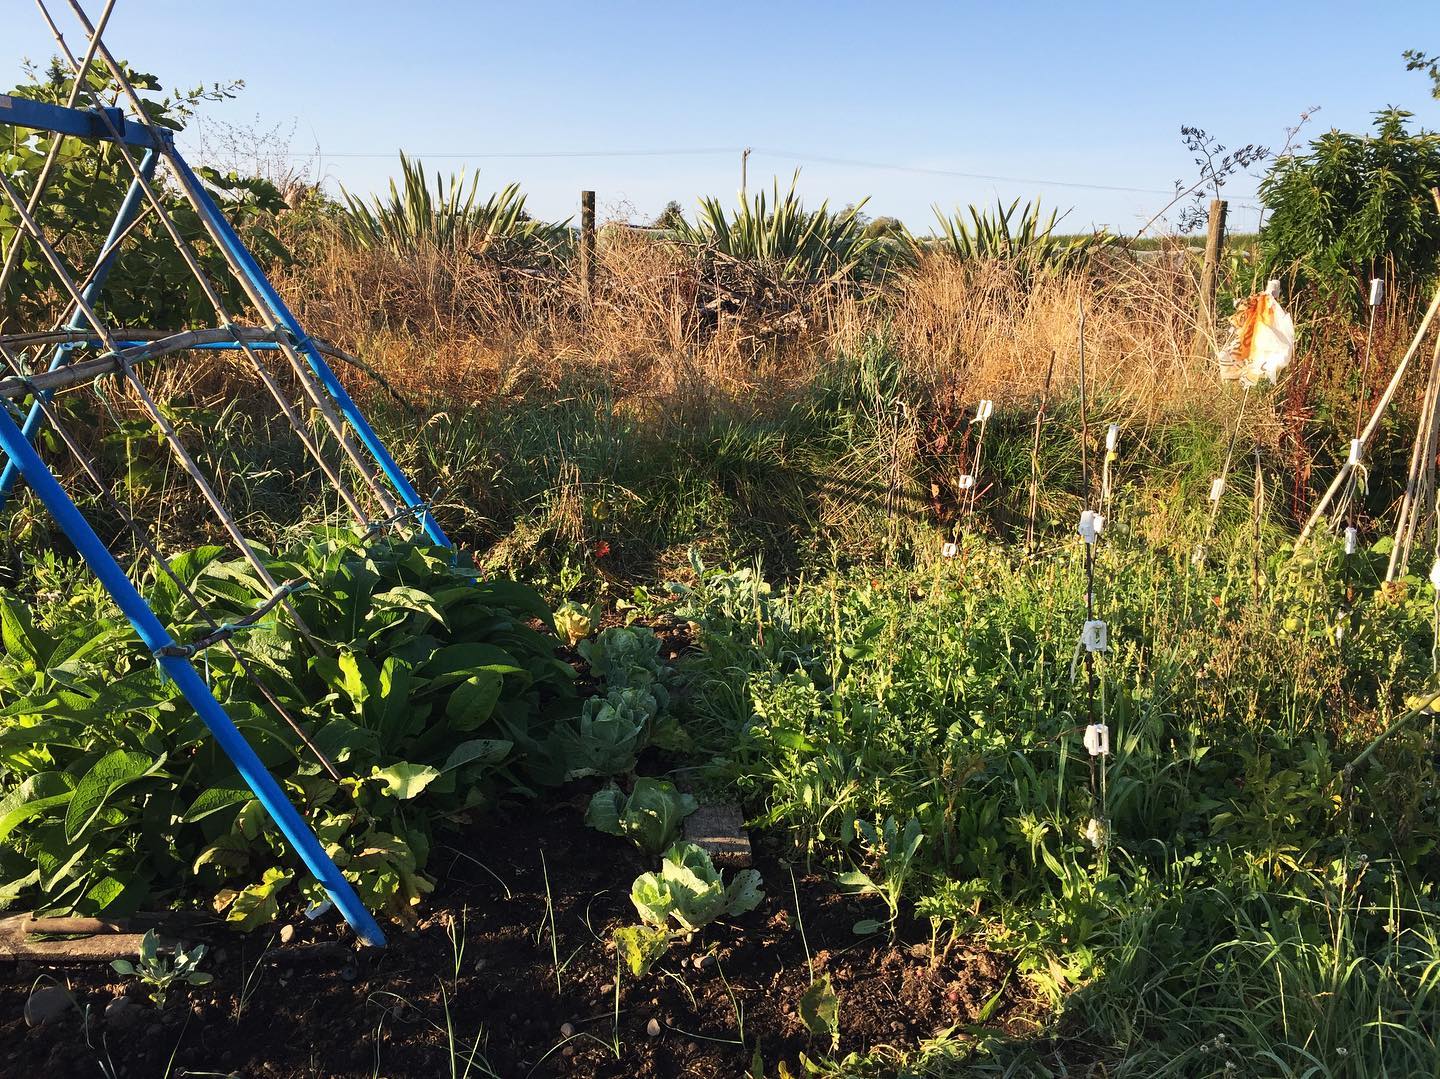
[1210,272]
[587,246]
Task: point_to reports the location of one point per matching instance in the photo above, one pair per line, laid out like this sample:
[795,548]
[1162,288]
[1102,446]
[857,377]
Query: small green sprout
[158,972]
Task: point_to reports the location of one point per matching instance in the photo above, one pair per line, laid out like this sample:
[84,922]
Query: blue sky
[1075,93]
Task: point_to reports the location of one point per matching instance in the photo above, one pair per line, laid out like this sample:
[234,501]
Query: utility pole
[744,170]
[587,247]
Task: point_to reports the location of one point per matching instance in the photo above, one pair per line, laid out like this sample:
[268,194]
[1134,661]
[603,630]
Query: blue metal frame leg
[282,315]
[123,218]
[183,673]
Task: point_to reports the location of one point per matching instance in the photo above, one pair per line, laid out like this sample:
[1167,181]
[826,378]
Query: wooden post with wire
[1210,273]
[587,247]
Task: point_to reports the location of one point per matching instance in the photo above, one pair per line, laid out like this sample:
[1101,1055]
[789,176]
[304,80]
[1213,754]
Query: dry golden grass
[448,330]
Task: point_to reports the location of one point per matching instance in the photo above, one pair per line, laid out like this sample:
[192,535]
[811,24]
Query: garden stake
[968,482]
[1217,485]
[1094,637]
[1420,482]
[1035,459]
[1375,298]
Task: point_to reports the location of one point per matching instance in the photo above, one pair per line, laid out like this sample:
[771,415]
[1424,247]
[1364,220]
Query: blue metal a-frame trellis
[84,332]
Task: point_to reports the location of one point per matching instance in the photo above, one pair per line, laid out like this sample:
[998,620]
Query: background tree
[671,217]
[149,284]
[1351,207]
[1415,60]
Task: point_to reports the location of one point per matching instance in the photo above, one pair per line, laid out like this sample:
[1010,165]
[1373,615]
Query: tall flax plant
[780,239]
[415,219]
[1027,242]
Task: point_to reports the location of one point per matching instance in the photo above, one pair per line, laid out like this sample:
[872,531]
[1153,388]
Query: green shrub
[1352,207]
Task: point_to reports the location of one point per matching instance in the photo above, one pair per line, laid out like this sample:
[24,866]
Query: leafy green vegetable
[434,693]
[609,734]
[650,817]
[158,972]
[820,1010]
[640,945]
[628,657]
[688,891]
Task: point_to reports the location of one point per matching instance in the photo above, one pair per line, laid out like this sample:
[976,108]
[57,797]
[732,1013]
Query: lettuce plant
[650,817]
[689,892]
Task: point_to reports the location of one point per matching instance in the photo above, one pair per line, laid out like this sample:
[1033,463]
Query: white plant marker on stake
[967,482]
[1112,454]
[1094,635]
[1355,461]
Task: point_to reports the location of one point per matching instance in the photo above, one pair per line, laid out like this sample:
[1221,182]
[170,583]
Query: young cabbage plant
[573,622]
[608,735]
[688,891]
[650,817]
[628,657]
[158,972]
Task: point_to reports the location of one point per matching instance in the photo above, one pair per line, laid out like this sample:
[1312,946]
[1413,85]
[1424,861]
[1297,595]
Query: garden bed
[483,962]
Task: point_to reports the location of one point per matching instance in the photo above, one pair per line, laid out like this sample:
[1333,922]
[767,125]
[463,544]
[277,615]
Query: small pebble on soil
[47,1004]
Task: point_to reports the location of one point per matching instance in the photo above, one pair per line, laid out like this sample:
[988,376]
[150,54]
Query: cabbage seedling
[650,817]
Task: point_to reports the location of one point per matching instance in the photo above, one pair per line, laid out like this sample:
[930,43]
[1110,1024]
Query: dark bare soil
[482,976]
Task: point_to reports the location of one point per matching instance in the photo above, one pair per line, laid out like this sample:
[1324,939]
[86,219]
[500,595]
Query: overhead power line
[684,151]
[793,155]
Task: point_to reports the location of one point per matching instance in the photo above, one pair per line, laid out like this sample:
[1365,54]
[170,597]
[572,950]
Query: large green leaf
[20,637]
[108,775]
[473,700]
[214,800]
[478,751]
[405,780]
[520,598]
[35,796]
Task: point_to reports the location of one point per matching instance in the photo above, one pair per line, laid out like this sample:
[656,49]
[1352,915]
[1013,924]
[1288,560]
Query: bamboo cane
[1419,483]
[1374,421]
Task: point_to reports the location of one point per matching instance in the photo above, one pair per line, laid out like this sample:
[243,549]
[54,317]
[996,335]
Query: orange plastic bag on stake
[1261,341]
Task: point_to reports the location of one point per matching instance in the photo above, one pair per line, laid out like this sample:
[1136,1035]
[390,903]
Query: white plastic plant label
[1435,574]
[1095,636]
[1088,529]
[1217,488]
[984,409]
[949,550]
[1097,740]
[1357,449]
[1112,437]
[1352,540]
[1377,291]
[967,481]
